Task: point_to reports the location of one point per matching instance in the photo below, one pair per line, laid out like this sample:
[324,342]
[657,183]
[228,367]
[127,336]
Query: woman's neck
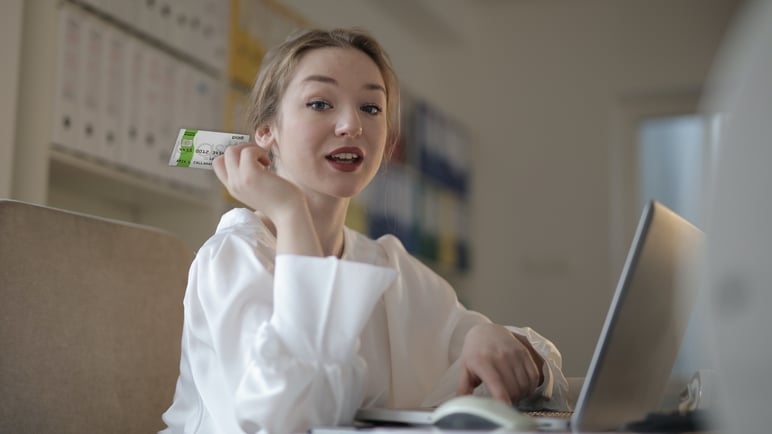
[328,218]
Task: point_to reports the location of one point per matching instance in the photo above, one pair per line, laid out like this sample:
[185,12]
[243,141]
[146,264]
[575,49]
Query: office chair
[90,321]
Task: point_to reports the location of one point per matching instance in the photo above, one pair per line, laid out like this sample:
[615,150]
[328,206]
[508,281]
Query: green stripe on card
[186,148]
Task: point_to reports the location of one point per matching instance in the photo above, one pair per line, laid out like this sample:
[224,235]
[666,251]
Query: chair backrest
[90,321]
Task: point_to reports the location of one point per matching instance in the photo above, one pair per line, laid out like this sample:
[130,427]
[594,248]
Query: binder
[125,11]
[206,114]
[447,230]
[179,25]
[115,72]
[213,51]
[68,85]
[162,21]
[207,32]
[182,100]
[131,129]
[92,52]
[149,109]
[167,130]
[193,38]
[188,93]
[429,226]
[146,16]
[208,105]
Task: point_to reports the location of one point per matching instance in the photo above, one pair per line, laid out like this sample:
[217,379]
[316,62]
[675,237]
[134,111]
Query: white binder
[149,109]
[115,72]
[182,104]
[68,86]
[132,136]
[163,21]
[146,16]
[213,34]
[201,115]
[167,130]
[194,39]
[92,52]
[179,24]
[124,11]
[186,115]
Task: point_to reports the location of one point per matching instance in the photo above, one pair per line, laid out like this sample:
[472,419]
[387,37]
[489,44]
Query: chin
[334,191]
[347,191]
[347,188]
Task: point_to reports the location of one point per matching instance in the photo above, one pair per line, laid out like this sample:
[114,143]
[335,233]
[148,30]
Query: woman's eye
[371,109]
[318,105]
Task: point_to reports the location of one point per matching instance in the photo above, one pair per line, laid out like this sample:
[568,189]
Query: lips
[346,159]
[347,154]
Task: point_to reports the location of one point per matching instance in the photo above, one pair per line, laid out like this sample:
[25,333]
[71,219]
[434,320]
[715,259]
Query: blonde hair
[279,64]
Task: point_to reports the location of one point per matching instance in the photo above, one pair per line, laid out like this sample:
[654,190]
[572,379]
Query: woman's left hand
[505,363]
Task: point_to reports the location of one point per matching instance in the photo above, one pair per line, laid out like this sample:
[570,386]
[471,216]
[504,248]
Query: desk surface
[431,430]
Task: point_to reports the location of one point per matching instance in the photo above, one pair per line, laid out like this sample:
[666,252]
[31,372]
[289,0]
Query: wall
[543,86]
[10,43]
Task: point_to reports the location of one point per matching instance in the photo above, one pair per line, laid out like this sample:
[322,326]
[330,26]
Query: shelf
[97,178]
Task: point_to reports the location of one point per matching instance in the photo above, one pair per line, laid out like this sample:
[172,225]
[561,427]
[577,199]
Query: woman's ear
[264,137]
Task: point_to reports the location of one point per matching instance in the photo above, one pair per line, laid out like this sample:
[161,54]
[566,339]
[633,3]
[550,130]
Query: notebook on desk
[640,338]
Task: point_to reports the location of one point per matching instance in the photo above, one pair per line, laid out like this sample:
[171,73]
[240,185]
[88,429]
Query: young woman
[293,320]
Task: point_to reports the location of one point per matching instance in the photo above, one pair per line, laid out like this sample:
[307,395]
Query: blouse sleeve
[280,349]
[552,393]
[428,304]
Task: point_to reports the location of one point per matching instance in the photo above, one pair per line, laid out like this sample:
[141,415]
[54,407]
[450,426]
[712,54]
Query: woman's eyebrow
[375,86]
[321,78]
[330,80]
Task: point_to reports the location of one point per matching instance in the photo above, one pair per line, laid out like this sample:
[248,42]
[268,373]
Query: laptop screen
[645,324]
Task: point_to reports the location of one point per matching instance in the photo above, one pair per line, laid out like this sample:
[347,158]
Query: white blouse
[278,344]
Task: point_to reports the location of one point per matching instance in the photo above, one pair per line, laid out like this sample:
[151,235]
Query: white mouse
[469,412]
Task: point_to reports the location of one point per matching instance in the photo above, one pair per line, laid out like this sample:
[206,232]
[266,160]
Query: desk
[414,430]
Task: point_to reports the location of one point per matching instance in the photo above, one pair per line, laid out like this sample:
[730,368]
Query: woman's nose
[349,124]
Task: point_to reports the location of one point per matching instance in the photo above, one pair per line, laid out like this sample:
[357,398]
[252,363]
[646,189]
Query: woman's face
[331,130]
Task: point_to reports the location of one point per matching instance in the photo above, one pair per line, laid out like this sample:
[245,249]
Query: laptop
[640,338]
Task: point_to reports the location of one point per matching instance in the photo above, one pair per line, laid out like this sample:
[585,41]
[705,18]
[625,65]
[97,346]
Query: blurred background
[533,130]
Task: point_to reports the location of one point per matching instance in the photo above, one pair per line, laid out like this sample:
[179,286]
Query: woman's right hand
[244,171]
[505,362]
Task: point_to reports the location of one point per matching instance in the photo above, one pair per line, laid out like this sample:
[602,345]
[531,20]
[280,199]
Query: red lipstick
[345,159]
